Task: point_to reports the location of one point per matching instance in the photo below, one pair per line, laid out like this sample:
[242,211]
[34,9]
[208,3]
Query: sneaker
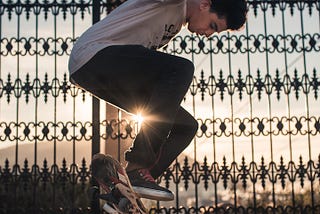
[146,187]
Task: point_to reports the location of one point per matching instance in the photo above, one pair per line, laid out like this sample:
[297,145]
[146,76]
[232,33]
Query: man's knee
[188,123]
[187,67]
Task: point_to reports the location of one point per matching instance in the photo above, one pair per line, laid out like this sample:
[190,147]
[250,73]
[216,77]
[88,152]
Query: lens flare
[139,118]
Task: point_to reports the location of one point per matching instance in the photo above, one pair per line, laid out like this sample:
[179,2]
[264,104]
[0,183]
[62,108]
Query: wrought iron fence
[254,94]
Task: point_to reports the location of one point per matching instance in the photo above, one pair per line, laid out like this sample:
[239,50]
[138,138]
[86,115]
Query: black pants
[137,79]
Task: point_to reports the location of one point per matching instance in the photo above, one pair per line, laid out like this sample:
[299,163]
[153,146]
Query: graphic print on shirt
[170,31]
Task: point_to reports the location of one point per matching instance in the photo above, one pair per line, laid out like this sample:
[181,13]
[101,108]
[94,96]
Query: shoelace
[146,175]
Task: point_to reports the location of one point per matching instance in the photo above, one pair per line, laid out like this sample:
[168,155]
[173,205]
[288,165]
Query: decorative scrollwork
[231,85]
[259,126]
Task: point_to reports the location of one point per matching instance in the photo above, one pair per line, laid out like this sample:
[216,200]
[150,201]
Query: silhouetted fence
[254,94]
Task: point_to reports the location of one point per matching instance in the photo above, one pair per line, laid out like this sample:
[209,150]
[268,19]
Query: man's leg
[133,78]
[182,133]
[161,110]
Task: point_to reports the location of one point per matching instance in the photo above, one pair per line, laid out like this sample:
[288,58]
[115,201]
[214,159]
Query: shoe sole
[153,194]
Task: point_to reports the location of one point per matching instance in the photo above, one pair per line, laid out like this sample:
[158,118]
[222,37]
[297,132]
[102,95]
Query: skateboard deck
[115,186]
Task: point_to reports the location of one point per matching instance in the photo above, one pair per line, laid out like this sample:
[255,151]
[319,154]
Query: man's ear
[205,4]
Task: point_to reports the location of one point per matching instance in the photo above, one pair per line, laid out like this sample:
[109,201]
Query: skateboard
[116,190]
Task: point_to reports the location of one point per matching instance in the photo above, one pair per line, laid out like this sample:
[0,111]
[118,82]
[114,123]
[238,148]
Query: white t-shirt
[150,23]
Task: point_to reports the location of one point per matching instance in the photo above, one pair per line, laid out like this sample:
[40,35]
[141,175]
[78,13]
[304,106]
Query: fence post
[95,206]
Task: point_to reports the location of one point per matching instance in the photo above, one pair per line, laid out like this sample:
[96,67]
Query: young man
[117,60]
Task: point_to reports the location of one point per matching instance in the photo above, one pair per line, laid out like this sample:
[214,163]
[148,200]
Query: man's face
[204,22]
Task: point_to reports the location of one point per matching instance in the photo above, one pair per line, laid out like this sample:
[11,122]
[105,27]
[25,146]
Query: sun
[138,118]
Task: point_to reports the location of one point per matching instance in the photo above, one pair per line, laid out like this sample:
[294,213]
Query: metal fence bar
[95,114]
[300,7]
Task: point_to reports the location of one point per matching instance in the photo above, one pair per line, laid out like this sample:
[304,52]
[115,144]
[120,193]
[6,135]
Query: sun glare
[138,118]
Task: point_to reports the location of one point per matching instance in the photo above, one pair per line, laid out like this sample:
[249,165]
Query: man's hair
[235,12]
